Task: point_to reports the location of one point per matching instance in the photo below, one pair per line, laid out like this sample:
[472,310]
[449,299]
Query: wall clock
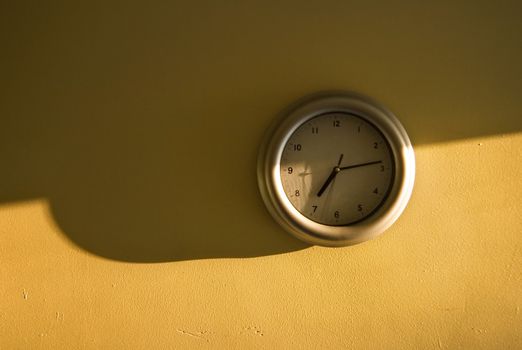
[336,169]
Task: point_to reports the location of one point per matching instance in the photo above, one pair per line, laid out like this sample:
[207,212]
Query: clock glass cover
[337,169]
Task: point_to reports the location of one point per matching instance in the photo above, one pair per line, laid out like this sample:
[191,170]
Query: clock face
[337,169]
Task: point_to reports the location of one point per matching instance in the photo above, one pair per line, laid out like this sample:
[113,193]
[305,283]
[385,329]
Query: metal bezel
[291,219]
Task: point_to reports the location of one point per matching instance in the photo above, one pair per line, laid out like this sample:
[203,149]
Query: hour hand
[328,180]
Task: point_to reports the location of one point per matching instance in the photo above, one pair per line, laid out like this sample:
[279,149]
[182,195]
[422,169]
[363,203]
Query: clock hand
[359,165]
[330,178]
[337,169]
[340,160]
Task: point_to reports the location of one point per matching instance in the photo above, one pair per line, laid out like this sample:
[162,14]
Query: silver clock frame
[269,178]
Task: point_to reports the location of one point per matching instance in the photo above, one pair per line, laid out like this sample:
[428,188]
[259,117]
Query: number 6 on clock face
[336,170]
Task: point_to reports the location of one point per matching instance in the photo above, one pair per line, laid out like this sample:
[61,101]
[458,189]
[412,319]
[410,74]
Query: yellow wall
[129,212]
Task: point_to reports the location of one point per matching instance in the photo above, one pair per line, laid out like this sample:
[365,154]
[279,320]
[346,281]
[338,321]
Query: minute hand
[359,165]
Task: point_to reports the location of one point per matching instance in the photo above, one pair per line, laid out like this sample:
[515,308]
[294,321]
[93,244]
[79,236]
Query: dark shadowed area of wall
[141,125]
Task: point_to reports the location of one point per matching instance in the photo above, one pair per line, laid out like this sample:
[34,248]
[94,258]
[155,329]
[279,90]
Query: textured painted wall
[129,212]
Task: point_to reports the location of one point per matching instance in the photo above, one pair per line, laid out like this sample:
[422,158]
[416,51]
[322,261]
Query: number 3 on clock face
[338,169]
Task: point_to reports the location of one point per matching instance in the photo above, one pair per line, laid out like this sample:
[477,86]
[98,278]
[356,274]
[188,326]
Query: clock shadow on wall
[131,183]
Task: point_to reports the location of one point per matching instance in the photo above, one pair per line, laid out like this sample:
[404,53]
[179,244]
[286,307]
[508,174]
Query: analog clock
[336,169]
